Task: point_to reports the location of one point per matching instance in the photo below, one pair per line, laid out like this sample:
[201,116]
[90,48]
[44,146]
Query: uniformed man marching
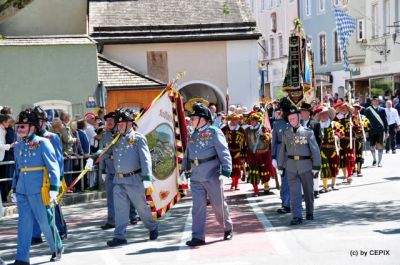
[108,160]
[133,173]
[280,126]
[55,140]
[207,155]
[36,183]
[300,157]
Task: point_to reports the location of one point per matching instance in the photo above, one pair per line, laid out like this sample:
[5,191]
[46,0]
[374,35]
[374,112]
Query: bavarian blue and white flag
[345,26]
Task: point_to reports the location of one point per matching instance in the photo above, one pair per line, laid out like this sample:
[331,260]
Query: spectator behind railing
[67,140]
[4,147]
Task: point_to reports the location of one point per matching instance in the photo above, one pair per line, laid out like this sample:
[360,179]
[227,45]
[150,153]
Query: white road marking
[271,233]
[108,259]
[184,251]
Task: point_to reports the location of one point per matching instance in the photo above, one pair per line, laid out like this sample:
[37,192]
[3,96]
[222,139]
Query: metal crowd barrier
[96,171]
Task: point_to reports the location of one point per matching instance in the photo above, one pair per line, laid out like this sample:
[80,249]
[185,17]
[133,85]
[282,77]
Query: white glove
[222,177]
[280,171]
[182,179]
[147,184]
[103,177]
[314,171]
[53,195]
[14,197]
[89,164]
[274,163]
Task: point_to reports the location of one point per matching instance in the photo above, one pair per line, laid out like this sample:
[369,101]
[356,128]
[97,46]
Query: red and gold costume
[258,155]
[347,154]
[329,133]
[361,127]
[235,136]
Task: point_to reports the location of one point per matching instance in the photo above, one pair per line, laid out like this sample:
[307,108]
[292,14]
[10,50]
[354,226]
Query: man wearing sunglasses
[36,184]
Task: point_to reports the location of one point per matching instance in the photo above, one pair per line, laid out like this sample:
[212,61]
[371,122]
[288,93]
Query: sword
[53,209]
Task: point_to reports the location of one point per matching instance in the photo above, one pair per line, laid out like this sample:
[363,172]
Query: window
[272,47]
[252,5]
[321,5]
[262,5]
[280,45]
[270,4]
[386,17]
[374,22]
[397,14]
[273,22]
[264,49]
[278,3]
[360,29]
[309,42]
[307,5]
[338,56]
[322,49]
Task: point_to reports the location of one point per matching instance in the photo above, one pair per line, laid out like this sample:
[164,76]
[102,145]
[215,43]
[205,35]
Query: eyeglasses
[21,126]
[194,118]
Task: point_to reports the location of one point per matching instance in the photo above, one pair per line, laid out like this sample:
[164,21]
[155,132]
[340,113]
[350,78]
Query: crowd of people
[296,146]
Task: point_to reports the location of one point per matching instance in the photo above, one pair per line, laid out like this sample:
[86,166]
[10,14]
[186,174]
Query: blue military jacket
[280,126]
[37,152]
[131,153]
[205,143]
[58,148]
[108,157]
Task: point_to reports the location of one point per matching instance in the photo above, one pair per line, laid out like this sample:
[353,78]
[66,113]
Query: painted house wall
[203,61]
[30,74]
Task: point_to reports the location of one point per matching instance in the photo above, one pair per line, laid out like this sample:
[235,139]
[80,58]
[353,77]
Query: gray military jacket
[131,153]
[297,145]
[207,142]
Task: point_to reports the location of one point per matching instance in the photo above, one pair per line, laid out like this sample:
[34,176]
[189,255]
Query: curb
[10,209]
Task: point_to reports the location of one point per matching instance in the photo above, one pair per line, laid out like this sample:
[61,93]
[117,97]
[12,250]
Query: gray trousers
[124,195]
[213,189]
[296,181]
[109,183]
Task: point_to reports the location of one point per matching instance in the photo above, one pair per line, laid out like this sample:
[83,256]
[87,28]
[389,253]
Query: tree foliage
[9,8]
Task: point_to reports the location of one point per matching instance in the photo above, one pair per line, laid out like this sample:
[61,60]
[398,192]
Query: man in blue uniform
[36,184]
[207,155]
[55,140]
[280,126]
[133,171]
[108,160]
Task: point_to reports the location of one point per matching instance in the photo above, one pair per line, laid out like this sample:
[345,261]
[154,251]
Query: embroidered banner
[160,126]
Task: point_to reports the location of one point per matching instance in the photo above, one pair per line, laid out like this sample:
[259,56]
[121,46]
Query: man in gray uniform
[207,155]
[108,160]
[300,157]
[132,163]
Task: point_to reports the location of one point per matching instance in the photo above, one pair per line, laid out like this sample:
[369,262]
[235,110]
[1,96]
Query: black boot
[18,262]
[283,210]
[107,226]
[153,234]
[195,242]
[316,194]
[296,221]
[116,242]
[36,241]
[228,235]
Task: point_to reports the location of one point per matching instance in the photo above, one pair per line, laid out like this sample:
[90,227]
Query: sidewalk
[10,209]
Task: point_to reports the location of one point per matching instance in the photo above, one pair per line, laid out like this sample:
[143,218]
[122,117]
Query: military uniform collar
[30,138]
[129,134]
[203,128]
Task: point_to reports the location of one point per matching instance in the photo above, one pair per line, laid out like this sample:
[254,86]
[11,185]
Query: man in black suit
[307,121]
